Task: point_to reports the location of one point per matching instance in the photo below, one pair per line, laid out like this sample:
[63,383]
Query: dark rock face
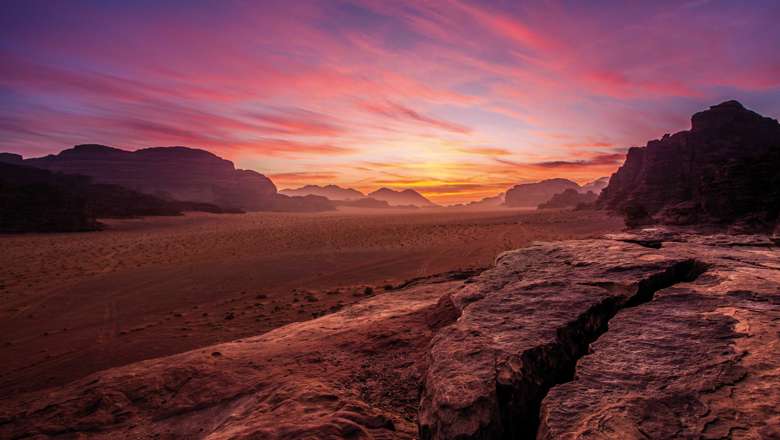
[407,197]
[683,338]
[569,199]
[532,194]
[331,192]
[723,170]
[36,200]
[174,172]
[33,200]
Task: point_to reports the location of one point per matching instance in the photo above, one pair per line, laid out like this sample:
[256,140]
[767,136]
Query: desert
[398,220]
[169,284]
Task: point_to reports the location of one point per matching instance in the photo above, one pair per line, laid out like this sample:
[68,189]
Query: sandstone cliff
[723,170]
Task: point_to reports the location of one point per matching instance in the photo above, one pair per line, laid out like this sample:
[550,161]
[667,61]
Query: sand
[74,304]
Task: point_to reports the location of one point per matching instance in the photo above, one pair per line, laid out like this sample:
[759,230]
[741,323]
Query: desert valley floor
[74,304]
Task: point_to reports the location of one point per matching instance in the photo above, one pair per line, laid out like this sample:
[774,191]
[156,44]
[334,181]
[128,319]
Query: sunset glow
[457,99]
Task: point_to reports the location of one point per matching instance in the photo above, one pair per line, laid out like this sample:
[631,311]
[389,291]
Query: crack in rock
[490,371]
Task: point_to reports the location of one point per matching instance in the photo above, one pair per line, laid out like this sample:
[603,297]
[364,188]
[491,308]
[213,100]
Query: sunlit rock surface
[656,334]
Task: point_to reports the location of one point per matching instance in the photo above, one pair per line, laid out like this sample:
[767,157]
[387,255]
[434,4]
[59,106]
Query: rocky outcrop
[532,194]
[351,374]
[33,200]
[663,334]
[178,173]
[569,199]
[36,200]
[331,192]
[722,171]
[676,348]
[407,197]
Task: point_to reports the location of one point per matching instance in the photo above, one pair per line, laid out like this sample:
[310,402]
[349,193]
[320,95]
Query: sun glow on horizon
[458,102]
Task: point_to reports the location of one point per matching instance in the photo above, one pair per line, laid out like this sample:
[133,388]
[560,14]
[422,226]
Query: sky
[457,99]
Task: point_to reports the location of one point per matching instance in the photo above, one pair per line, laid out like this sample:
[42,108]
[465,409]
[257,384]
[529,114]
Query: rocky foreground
[651,335]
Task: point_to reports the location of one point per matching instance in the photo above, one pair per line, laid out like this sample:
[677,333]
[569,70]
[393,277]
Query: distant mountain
[176,173]
[36,200]
[596,186]
[488,202]
[533,194]
[723,170]
[570,198]
[332,192]
[407,197]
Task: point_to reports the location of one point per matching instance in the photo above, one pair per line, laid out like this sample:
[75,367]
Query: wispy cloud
[460,97]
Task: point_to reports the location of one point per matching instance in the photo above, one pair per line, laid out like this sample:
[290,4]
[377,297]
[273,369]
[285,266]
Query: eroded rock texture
[702,360]
[662,334]
[722,170]
[673,356]
[352,374]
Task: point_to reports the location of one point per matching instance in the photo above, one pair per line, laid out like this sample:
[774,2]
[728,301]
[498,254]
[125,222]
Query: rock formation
[407,197]
[596,186]
[175,173]
[488,202]
[351,374]
[570,198]
[331,192]
[532,194]
[36,200]
[690,330]
[654,335]
[723,170]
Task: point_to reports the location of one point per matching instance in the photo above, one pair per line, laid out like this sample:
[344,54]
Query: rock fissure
[520,396]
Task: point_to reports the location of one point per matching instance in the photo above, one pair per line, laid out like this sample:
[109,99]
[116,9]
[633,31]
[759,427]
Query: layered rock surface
[655,335]
[691,333]
[722,170]
[352,374]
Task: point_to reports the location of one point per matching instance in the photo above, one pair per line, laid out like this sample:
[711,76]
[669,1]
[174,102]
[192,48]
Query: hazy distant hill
[401,198]
[178,173]
[488,202]
[569,199]
[332,192]
[533,194]
[596,186]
